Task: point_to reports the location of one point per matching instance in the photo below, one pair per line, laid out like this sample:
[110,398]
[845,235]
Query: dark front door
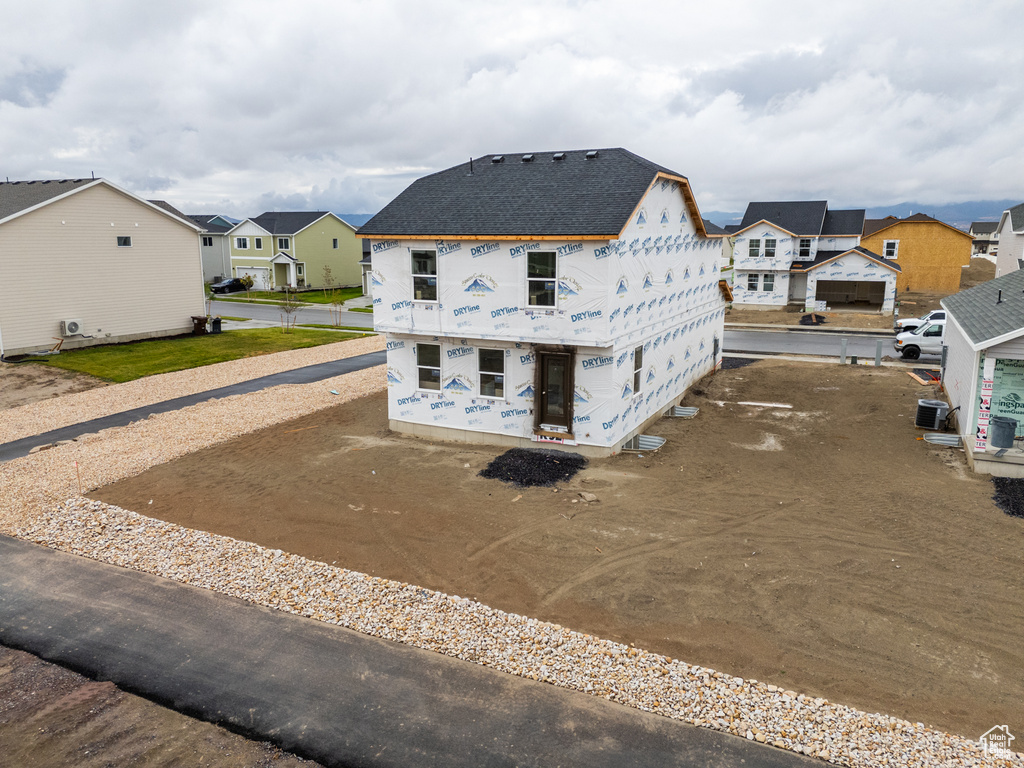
[555,389]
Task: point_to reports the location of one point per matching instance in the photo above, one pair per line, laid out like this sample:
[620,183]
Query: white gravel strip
[42,503]
[44,415]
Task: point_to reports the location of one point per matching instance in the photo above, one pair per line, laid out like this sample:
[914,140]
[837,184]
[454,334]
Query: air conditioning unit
[70,327]
[931,414]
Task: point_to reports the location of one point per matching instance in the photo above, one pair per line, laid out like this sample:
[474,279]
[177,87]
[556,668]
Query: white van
[926,340]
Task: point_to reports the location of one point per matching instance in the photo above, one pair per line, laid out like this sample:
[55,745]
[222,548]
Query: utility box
[931,414]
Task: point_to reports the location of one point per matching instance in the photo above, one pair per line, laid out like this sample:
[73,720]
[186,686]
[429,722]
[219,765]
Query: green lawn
[307,297]
[126,362]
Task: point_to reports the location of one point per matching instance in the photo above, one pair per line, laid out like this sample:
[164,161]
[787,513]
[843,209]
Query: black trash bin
[215,325]
[1003,428]
[198,325]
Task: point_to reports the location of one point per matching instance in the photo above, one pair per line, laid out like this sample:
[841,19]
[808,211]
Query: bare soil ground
[911,304]
[22,383]
[51,717]
[819,547]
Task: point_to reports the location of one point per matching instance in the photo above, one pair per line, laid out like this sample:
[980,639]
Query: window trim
[424,275]
[530,280]
[753,281]
[421,367]
[287,243]
[241,243]
[895,249]
[481,372]
[207,241]
[124,241]
[804,253]
[766,279]
[638,369]
[754,248]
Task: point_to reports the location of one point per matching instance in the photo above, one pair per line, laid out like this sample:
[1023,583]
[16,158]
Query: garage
[856,278]
[260,276]
[869,294]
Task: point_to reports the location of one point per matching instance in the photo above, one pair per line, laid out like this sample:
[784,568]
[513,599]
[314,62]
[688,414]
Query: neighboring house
[984,369]
[216,245]
[1010,236]
[291,248]
[984,237]
[84,262]
[802,253]
[566,298]
[931,253]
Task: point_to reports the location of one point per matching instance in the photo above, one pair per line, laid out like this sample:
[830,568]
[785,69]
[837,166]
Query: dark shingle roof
[16,196]
[980,313]
[1017,217]
[515,196]
[714,229]
[984,227]
[172,210]
[205,221]
[871,226]
[287,222]
[822,256]
[800,218]
[848,223]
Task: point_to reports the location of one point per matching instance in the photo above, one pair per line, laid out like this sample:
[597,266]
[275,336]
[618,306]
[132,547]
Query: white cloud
[238,106]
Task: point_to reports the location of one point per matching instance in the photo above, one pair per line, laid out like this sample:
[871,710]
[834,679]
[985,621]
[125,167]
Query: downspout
[2,347]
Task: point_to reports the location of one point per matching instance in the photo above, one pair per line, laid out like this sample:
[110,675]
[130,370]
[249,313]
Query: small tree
[336,303]
[289,306]
[247,283]
[328,279]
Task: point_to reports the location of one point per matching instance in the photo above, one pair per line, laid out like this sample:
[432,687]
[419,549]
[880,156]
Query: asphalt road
[271,313]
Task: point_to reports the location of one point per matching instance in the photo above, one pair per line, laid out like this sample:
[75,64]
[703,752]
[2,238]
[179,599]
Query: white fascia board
[982,345]
[759,223]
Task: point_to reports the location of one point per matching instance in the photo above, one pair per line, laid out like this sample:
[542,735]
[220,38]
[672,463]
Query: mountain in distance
[959,215]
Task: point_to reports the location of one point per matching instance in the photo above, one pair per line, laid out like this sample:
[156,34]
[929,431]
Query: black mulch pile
[1009,495]
[812,319]
[728,363]
[531,466]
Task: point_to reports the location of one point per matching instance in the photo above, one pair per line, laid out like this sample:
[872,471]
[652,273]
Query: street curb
[810,329]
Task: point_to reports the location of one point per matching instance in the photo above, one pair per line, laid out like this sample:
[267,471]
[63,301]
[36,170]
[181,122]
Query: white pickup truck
[911,323]
[926,340]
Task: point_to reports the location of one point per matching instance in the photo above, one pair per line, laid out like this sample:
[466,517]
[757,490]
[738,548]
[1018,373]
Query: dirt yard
[820,547]
[50,717]
[22,383]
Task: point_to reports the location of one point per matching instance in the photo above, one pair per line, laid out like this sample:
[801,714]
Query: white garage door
[260,276]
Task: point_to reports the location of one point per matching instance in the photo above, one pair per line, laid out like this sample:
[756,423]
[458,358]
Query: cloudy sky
[239,107]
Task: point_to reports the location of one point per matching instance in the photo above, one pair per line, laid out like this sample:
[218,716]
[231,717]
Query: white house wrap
[583,355]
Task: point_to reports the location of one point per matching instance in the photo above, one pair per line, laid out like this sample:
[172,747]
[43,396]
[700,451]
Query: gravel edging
[42,504]
[45,415]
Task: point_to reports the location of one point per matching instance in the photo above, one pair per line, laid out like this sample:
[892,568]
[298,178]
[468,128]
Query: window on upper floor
[335,245]
[242,243]
[424,275]
[769,248]
[207,242]
[755,248]
[752,280]
[638,369]
[542,278]
[805,247]
[124,241]
[768,282]
[891,249]
[283,243]
[258,243]
[428,365]
[492,372]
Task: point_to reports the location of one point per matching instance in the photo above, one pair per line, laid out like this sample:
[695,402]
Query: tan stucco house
[84,262]
[930,253]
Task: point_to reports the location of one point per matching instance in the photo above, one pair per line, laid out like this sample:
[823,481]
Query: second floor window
[207,242]
[542,278]
[755,248]
[124,241]
[891,249]
[258,242]
[335,246]
[769,248]
[805,247]
[242,243]
[283,243]
[424,275]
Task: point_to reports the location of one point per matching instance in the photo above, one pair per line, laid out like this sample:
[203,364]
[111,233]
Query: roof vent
[527,158]
[498,159]
[558,156]
[592,154]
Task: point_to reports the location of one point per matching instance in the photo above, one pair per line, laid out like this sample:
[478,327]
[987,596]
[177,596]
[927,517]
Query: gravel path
[42,503]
